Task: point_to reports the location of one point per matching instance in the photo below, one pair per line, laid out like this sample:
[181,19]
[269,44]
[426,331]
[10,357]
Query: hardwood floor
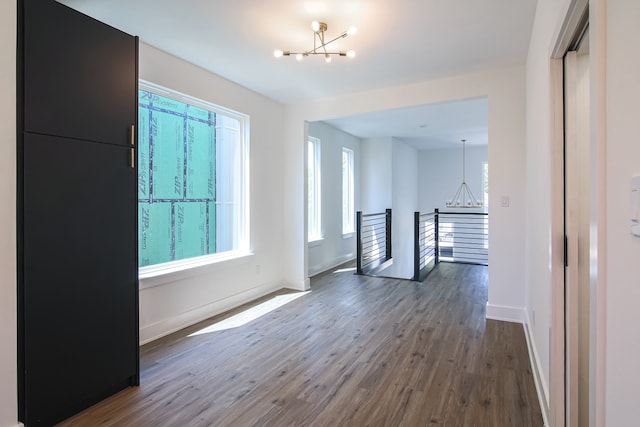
[355,351]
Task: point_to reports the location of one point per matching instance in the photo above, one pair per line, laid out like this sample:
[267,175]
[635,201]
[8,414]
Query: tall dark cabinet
[77,211]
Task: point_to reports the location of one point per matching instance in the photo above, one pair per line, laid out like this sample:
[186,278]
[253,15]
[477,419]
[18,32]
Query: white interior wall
[376,175]
[404,197]
[539,169]
[8,305]
[440,174]
[172,301]
[505,91]
[622,249]
[334,248]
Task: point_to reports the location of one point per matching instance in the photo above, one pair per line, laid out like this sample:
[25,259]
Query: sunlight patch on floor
[344,270]
[250,314]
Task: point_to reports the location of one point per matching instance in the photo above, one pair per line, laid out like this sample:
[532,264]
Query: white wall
[8,304]
[404,203]
[623,250]
[539,169]
[376,175]
[505,91]
[440,174]
[390,181]
[173,301]
[334,248]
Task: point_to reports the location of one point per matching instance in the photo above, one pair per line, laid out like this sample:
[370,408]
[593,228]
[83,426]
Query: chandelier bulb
[315,26]
[278,53]
[327,58]
[352,30]
[351,54]
[299,57]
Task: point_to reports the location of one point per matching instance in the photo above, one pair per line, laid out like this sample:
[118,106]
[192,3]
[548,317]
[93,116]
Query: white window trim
[317,190]
[243,250]
[349,233]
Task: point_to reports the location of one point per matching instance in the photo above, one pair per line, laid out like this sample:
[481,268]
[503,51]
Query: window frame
[348,229]
[314,189]
[243,238]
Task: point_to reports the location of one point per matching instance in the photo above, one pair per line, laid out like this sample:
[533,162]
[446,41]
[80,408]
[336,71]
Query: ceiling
[398,42]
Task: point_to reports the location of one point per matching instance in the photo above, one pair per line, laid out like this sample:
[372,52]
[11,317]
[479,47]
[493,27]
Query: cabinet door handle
[132,159]
[133,135]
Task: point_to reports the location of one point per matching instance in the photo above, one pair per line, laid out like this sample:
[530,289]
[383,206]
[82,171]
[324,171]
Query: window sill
[348,235]
[156,275]
[315,242]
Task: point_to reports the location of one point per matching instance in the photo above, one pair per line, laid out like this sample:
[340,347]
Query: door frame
[558,402]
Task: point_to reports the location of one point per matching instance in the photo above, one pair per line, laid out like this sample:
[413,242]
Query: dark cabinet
[77,81]
[77,212]
[79,290]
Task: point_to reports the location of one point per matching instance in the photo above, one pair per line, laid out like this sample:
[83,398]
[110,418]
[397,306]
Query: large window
[192,174]
[348,208]
[314,179]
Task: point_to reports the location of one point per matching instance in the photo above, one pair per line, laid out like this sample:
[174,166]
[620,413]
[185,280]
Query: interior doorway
[573,328]
[577,230]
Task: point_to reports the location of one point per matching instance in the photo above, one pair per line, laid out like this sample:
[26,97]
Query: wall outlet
[504,201]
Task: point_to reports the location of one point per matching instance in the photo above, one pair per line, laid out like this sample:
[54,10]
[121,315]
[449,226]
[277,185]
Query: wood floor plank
[355,351]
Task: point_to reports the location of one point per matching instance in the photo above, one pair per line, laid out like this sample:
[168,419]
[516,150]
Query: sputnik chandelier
[320,44]
[463,198]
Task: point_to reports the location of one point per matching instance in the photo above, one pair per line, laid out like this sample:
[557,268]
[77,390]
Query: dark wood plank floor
[355,351]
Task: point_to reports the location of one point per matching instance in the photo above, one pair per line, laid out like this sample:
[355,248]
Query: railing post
[416,246]
[359,242]
[388,232]
[436,222]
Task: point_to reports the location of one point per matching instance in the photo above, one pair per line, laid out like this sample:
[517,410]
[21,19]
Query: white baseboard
[521,315]
[505,313]
[331,265]
[175,323]
[536,368]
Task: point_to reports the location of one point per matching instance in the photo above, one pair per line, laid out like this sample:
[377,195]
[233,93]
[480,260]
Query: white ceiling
[430,126]
[398,42]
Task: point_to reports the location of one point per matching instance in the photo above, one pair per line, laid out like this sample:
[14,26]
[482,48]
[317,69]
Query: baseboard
[175,323]
[326,267]
[536,369]
[505,313]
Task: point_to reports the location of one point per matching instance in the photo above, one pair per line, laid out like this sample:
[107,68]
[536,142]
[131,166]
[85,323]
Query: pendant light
[464,197]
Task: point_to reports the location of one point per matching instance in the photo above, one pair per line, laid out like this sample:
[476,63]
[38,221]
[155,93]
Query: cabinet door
[77,80]
[77,212]
[80,286]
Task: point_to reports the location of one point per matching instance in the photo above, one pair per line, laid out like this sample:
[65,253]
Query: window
[192,168]
[485,185]
[314,179]
[485,195]
[348,208]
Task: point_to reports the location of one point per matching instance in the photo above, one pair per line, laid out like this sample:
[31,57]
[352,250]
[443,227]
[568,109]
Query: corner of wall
[536,369]
[505,313]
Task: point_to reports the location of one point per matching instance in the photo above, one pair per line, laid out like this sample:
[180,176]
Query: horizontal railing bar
[369,243]
[383,214]
[462,213]
[372,223]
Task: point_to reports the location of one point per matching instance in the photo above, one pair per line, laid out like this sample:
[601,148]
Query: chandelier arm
[457,196]
[311,52]
[319,44]
[341,36]
[471,196]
